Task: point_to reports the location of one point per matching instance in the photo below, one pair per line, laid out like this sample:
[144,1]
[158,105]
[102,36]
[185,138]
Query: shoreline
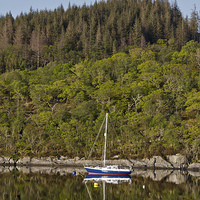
[168,175]
[175,162]
[175,176]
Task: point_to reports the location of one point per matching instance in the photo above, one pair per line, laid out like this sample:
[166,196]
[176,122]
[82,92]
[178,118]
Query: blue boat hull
[107,172]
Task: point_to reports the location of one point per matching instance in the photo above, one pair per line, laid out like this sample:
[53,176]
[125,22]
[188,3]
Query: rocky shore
[168,175]
[172,162]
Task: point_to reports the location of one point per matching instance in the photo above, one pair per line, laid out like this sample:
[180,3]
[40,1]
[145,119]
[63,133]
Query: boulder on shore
[178,160]
[157,162]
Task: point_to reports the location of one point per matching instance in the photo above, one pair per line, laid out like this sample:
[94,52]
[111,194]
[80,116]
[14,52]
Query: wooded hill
[90,32]
[151,90]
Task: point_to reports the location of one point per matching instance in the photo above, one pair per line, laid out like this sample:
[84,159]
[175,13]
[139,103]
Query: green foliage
[58,109]
[193,102]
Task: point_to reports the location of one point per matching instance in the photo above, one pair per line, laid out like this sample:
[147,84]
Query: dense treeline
[62,71]
[93,32]
[152,96]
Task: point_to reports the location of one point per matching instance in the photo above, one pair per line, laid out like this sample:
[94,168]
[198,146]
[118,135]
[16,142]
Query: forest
[62,70]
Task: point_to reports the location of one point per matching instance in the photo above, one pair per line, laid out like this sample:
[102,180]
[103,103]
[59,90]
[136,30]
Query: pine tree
[18,36]
[6,36]
[193,24]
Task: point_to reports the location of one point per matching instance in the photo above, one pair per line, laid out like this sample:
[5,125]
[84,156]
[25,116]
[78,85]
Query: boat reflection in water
[110,179]
[113,179]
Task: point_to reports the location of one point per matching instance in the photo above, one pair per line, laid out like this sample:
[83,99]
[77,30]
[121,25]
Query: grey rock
[2,160]
[24,161]
[7,160]
[194,166]
[178,160]
[157,162]
[138,164]
[76,158]
[63,157]
[116,157]
[40,161]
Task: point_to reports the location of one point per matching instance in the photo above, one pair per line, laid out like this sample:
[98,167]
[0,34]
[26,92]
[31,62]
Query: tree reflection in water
[40,185]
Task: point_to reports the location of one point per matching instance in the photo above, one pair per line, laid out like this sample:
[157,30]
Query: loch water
[46,183]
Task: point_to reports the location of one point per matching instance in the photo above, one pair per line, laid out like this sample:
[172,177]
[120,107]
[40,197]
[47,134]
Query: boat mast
[105,135]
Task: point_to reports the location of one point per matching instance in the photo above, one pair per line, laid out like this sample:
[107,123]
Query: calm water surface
[59,183]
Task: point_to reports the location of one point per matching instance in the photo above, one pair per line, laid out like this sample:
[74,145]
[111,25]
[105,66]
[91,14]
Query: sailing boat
[107,169]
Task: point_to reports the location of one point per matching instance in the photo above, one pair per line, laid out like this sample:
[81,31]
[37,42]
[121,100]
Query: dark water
[48,183]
